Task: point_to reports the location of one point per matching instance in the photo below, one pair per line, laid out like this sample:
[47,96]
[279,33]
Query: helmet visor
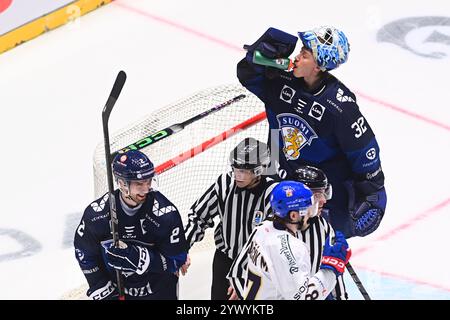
[257,171]
[326,191]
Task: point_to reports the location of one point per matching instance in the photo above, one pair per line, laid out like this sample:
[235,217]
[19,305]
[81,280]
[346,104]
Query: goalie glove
[274,44]
[367,202]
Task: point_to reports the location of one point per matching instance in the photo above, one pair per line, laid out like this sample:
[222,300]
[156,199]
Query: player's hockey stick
[162,134]
[115,92]
[357,281]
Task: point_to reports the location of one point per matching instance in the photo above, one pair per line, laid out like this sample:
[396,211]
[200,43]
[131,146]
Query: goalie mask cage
[185,182]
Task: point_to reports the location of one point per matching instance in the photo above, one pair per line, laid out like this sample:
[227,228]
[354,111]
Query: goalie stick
[357,281]
[162,134]
[113,96]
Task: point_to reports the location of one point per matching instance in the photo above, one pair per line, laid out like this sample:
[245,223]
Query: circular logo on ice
[371,153]
[4,4]
[424,36]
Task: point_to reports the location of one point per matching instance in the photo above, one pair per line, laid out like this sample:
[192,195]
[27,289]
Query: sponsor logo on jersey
[373,174]
[316,111]
[296,134]
[285,77]
[287,93]
[371,154]
[79,254]
[343,98]
[334,105]
[157,211]
[300,105]
[103,216]
[371,163]
[139,291]
[285,251]
[302,289]
[129,232]
[91,271]
[99,206]
[155,223]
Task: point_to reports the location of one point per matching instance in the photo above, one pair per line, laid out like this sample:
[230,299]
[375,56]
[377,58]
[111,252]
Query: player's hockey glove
[336,256]
[127,257]
[273,44]
[366,210]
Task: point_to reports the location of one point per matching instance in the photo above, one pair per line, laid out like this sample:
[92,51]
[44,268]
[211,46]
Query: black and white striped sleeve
[238,270]
[267,207]
[201,215]
[339,291]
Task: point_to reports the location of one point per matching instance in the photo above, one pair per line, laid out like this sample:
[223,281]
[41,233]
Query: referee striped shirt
[313,236]
[239,211]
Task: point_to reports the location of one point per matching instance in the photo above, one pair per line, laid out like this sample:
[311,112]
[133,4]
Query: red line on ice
[402,277]
[417,218]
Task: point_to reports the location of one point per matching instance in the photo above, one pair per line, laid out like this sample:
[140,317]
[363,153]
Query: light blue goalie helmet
[329,46]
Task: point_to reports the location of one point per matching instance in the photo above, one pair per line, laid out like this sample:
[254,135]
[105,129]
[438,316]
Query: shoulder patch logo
[98,207]
[341,98]
[295,133]
[287,93]
[157,211]
[257,218]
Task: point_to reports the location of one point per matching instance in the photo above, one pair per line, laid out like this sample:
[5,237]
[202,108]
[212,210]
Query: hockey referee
[313,232]
[241,200]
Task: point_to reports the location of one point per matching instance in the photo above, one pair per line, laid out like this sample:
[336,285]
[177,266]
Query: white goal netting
[188,180]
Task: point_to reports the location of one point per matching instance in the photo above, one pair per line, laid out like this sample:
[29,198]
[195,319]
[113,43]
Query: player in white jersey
[279,265]
[313,232]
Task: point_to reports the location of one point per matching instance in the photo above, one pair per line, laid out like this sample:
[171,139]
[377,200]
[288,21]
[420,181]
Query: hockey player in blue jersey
[152,242]
[315,120]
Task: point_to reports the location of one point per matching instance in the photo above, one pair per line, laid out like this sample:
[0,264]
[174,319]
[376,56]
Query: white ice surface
[53,88]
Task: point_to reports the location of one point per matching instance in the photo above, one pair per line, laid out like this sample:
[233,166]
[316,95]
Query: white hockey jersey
[279,268]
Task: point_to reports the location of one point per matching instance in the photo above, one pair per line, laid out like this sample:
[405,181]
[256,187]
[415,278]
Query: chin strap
[254,182]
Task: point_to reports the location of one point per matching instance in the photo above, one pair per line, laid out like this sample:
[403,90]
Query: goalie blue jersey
[322,127]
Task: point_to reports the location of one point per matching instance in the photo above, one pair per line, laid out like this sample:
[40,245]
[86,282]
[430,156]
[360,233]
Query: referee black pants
[220,283]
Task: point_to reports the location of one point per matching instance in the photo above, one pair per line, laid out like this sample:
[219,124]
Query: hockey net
[189,161]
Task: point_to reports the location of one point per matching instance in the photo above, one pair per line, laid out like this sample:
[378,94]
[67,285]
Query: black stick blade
[114,95]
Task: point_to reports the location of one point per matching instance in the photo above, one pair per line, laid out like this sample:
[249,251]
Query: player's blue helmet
[329,46]
[291,196]
[133,165]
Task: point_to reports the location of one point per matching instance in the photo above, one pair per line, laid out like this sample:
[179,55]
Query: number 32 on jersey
[359,126]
